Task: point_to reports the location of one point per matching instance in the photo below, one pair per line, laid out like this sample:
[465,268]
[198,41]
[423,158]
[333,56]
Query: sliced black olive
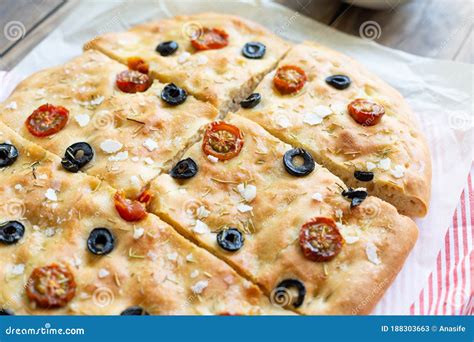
[298,170]
[364,176]
[101,241]
[254,50]
[6,312]
[11,232]
[356,196]
[251,101]
[184,169]
[167,48]
[283,294]
[8,154]
[339,82]
[77,156]
[134,311]
[230,239]
[173,95]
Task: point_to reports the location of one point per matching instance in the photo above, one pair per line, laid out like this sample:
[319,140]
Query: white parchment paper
[440,93]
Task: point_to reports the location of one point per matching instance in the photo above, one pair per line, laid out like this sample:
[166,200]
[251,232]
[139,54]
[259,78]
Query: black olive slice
[251,101]
[134,311]
[356,196]
[283,294]
[6,312]
[77,156]
[298,170]
[254,50]
[339,82]
[8,154]
[101,241]
[11,232]
[167,48]
[184,169]
[173,95]
[230,239]
[364,176]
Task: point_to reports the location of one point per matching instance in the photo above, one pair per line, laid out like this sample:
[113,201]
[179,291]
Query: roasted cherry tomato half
[51,286]
[132,81]
[138,64]
[222,140]
[134,311]
[131,210]
[320,240]
[210,39]
[366,112]
[289,293]
[289,79]
[8,154]
[47,120]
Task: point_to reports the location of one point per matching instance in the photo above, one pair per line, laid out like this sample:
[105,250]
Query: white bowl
[376,4]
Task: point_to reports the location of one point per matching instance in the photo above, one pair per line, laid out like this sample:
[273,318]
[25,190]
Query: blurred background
[439,29]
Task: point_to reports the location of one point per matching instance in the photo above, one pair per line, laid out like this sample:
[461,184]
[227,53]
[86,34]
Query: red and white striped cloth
[449,289]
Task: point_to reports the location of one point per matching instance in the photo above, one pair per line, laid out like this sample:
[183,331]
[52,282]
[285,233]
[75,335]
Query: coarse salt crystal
[103,273]
[248,192]
[212,159]
[398,171]
[12,105]
[138,233]
[150,145]
[371,251]
[82,119]
[194,273]
[119,156]
[384,164]
[200,227]
[110,146]
[199,287]
[370,166]
[317,197]
[243,208]
[51,195]
[183,57]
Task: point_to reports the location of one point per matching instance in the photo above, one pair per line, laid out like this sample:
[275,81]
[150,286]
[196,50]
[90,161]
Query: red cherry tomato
[222,140]
[289,79]
[129,210]
[320,240]
[51,286]
[132,81]
[47,120]
[366,112]
[210,39]
[138,64]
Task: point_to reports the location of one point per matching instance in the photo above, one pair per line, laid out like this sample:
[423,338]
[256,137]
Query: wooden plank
[25,45]
[19,17]
[431,28]
[323,11]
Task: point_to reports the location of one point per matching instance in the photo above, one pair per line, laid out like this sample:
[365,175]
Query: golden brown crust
[337,141]
[151,133]
[283,203]
[223,76]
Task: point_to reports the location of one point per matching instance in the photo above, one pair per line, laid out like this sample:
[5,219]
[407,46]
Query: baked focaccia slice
[217,58]
[125,138]
[64,249]
[283,221]
[352,122]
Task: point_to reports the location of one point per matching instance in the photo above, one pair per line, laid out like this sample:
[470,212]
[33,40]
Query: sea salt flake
[199,287]
[150,144]
[398,171]
[172,256]
[312,119]
[248,192]
[371,251]
[282,121]
[82,119]
[12,105]
[323,111]
[51,195]
[317,197]
[200,227]
[119,156]
[212,159]
[370,166]
[243,208]
[18,269]
[183,57]
[110,146]
[194,274]
[384,164]
[202,212]
[138,233]
[103,273]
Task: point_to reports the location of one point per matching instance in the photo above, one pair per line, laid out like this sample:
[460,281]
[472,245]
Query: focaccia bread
[245,207]
[148,268]
[213,68]
[392,152]
[132,135]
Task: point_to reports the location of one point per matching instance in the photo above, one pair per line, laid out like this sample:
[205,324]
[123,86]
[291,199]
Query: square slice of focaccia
[65,250]
[386,153]
[131,136]
[283,221]
[205,53]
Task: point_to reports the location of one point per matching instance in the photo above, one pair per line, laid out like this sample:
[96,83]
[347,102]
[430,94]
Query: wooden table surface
[440,29]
